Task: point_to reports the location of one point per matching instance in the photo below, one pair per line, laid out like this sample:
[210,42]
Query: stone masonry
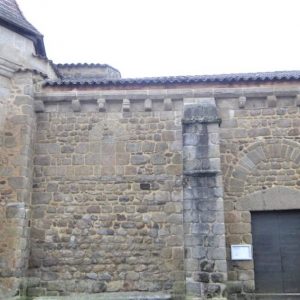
[119,187]
[260,162]
[204,230]
[107,202]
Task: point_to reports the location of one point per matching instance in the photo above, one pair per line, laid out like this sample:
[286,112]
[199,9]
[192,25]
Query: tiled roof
[170,80]
[12,18]
[62,67]
[79,65]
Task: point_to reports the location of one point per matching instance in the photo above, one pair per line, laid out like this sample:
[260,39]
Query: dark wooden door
[276,251]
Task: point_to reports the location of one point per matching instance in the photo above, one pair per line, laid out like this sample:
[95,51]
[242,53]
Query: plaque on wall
[241,252]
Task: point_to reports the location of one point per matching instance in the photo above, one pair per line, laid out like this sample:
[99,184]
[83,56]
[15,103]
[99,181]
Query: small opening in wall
[145,186]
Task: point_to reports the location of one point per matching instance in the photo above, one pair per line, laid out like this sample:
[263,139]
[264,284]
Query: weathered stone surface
[201,191]
[124,196]
[102,201]
[15,210]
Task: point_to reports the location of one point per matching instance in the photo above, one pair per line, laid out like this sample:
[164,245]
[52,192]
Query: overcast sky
[171,37]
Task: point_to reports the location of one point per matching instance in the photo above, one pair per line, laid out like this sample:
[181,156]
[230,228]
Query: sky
[144,38]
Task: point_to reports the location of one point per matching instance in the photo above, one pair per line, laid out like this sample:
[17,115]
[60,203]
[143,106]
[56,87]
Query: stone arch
[282,150]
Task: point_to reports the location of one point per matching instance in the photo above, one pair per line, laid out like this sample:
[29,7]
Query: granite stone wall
[16,142]
[126,190]
[260,154]
[20,71]
[107,200]
[205,259]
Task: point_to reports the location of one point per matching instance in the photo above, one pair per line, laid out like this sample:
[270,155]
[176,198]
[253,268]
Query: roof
[87,71]
[171,80]
[12,17]
[80,65]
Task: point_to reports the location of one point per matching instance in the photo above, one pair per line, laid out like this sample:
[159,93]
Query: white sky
[171,37]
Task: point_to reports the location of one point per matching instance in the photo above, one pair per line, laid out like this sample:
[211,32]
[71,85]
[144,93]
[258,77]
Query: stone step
[276,297]
[110,296]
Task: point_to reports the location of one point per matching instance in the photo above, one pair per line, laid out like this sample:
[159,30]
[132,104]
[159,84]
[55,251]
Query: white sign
[241,252]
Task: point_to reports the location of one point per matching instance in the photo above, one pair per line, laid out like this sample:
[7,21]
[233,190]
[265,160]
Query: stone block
[218,229]
[200,228]
[93,209]
[133,147]
[92,276]
[126,105]
[38,212]
[168,136]
[83,148]
[39,106]
[131,275]
[52,148]
[83,170]
[168,104]
[217,253]
[67,149]
[92,159]
[77,159]
[174,170]
[158,159]
[41,198]
[36,291]
[271,101]
[193,288]
[101,104]
[18,182]
[217,277]
[42,160]
[245,275]
[122,159]
[199,252]
[10,142]
[23,100]
[15,210]
[175,219]
[115,286]
[139,159]
[148,105]
[213,291]
[242,101]
[201,277]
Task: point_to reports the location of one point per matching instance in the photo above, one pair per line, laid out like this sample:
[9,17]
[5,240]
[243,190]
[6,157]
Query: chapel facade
[183,187]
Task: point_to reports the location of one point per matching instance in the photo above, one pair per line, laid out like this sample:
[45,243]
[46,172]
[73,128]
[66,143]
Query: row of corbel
[76,105]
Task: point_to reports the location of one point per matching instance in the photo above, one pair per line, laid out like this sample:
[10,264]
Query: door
[276,251]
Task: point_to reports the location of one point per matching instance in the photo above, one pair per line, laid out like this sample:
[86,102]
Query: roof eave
[113,83]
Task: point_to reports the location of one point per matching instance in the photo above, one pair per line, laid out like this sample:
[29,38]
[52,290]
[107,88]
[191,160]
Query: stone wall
[16,140]
[260,154]
[107,199]
[102,162]
[205,253]
[20,70]
[127,192]
[120,188]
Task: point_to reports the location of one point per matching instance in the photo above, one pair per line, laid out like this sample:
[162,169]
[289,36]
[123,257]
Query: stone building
[142,186]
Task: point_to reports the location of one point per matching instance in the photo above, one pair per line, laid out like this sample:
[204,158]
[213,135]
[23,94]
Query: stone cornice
[7,68]
[217,93]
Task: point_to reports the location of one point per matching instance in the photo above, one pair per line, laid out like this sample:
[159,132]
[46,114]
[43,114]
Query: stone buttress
[204,230]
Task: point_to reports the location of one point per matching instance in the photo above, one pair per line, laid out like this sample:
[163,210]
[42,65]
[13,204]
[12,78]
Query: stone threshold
[275,296]
[110,296]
